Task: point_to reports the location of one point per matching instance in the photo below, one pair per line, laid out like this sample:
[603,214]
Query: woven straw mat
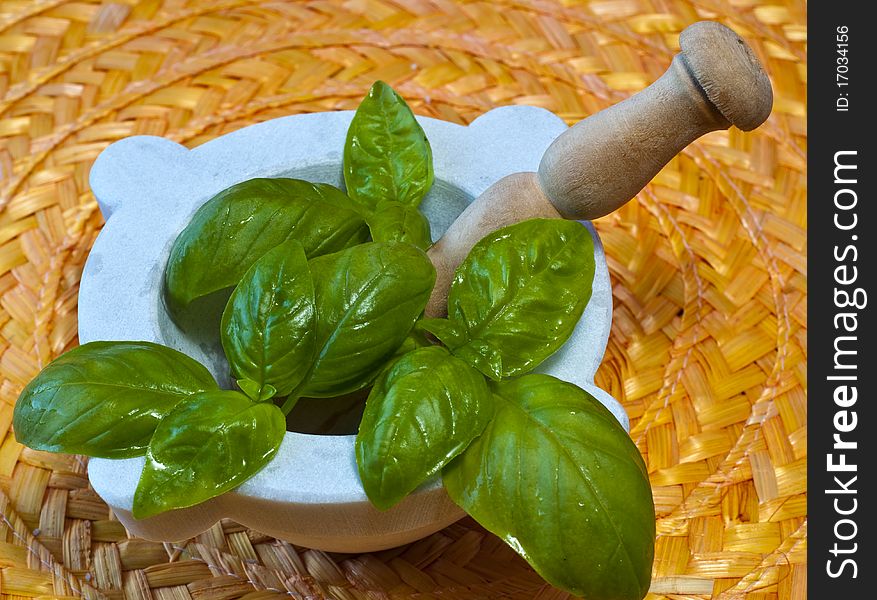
[707,351]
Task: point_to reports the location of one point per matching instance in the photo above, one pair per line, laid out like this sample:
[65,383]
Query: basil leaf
[387,155]
[422,412]
[206,446]
[240,224]
[105,398]
[446,332]
[519,294]
[416,339]
[268,325]
[559,480]
[368,298]
[255,391]
[397,222]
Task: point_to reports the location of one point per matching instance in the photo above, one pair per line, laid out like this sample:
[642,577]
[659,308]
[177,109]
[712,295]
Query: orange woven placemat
[708,346]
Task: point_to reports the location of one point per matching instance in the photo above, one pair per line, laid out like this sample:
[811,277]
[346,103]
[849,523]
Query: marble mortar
[310,494]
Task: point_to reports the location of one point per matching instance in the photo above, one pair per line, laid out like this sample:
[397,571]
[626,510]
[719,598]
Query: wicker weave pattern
[707,352]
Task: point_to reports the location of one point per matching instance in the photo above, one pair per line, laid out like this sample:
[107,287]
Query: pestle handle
[605,160]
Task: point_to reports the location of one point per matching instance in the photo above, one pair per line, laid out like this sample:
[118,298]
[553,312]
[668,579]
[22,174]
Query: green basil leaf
[105,398]
[387,155]
[368,298]
[422,412]
[240,224]
[206,446]
[416,339]
[446,332]
[397,222]
[519,294]
[559,480]
[268,327]
[255,391]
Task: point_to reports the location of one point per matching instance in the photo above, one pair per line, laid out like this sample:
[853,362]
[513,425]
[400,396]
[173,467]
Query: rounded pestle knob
[602,162]
[729,73]
[605,160]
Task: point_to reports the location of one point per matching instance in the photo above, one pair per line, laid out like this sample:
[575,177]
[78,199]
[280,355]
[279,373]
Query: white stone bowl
[310,494]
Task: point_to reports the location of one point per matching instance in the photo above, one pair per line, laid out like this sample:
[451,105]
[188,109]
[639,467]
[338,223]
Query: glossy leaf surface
[559,480]
[106,398]
[422,412]
[519,294]
[368,298]
[269,324]
[239,225]
[255,391]
[416,339]
[208,445]
[387,155]
[448,333]
[397,222]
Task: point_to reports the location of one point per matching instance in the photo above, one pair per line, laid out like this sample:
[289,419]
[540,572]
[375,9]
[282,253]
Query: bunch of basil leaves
[318,310]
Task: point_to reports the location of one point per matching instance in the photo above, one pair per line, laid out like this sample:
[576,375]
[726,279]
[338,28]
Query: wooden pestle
[603,161]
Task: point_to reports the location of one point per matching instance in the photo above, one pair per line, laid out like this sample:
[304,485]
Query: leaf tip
[379,87]
[379,496]
[383,504]
[144,505]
